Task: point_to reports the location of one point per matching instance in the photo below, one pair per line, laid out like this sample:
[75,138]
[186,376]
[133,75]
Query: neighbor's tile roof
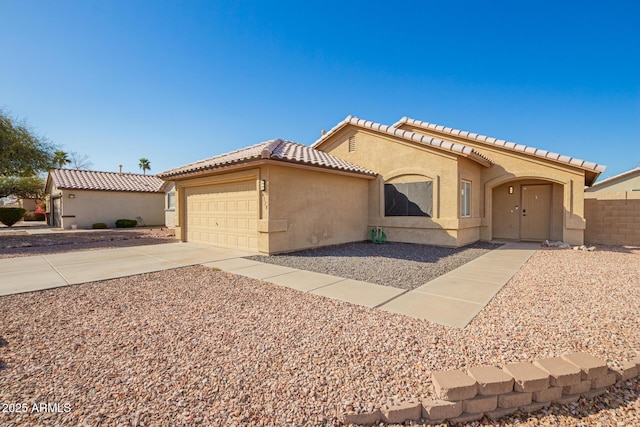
[276,149]
[504,144]
[453,147]
[72,179]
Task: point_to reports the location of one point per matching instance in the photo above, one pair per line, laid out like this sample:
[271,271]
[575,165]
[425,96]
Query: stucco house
[420,182]
[83,197]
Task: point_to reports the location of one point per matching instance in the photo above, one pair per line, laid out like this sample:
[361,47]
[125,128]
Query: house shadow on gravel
[618,398]
[401,265]
[395,250]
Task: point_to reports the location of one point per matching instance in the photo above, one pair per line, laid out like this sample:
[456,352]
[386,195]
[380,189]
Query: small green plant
[9,216]
[33,216]
[126,223]
[99,225]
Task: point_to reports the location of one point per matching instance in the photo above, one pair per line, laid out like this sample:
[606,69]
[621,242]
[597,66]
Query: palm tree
[144,165]
[60,158]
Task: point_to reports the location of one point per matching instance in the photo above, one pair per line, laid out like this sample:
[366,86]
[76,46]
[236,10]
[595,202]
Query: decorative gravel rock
[196,346]
[17,244]
[401,265]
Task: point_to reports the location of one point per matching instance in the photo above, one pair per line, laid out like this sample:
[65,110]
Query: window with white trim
[465,199]
[171,200]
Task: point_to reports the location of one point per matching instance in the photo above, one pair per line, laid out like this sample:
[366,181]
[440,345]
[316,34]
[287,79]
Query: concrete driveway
[25,274]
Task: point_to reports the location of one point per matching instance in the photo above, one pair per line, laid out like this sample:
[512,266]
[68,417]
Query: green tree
[23,155]
[22,152]
[22,186]
[144,165]
[60,159]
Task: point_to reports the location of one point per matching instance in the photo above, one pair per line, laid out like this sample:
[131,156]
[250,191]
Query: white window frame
[465,199]
[171,195]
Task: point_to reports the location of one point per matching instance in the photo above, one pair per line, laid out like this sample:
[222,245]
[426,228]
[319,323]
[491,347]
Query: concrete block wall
[612,219]
[468,395]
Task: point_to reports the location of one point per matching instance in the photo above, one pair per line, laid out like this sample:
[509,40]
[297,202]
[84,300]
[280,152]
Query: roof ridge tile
[502,143]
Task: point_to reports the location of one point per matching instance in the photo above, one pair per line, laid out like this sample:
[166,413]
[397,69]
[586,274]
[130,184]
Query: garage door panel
[223,214]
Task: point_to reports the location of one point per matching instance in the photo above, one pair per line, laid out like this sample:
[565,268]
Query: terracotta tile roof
[504,144]
[456,148]
[276,149]
[72,179]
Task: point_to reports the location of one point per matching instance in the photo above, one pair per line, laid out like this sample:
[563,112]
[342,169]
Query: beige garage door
[223,215]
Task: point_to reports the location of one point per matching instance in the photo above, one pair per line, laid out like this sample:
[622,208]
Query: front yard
[195,346]
[17,242]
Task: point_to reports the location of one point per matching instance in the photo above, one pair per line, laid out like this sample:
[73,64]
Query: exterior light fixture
[263,185]
[511,189]
[72,196]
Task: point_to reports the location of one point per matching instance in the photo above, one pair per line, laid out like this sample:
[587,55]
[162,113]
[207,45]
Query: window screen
[408,199]
[171,200]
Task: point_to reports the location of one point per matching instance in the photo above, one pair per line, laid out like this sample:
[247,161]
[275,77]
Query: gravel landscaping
[400,265]
[196,346]
[17,243]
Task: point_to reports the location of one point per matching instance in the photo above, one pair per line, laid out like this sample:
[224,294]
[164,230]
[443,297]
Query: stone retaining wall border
[466,396]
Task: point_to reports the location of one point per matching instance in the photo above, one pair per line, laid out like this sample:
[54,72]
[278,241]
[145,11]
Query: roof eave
[168,176]
[257,161]
[511,146]
[618,177]
[457,149]
[333,130]
[284,162]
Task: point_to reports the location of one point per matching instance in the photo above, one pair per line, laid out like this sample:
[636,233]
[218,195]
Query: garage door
[223,215]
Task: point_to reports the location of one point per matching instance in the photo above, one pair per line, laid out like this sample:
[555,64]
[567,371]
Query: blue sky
[179,81]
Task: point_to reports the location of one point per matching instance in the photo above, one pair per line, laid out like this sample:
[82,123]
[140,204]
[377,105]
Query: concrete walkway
[452,299]
[455,298]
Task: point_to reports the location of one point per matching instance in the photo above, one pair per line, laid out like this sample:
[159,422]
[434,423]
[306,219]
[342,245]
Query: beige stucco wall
[28,204]
[310,208]
[300,208]
[512,166]
[89,207]
[396,160]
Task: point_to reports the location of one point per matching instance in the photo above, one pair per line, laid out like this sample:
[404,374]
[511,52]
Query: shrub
[34,216]
[126,223]
[9,216]
[99,225]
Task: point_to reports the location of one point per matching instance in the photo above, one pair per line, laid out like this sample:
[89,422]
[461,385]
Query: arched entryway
[527,209]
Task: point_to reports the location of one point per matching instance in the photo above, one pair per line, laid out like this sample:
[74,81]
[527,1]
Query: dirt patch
[17,245]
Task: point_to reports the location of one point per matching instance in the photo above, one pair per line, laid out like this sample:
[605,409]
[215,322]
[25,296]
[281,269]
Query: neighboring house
[420,182]
[28,204]
[625,182]
[82,198]
[169,204]
[612,210]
